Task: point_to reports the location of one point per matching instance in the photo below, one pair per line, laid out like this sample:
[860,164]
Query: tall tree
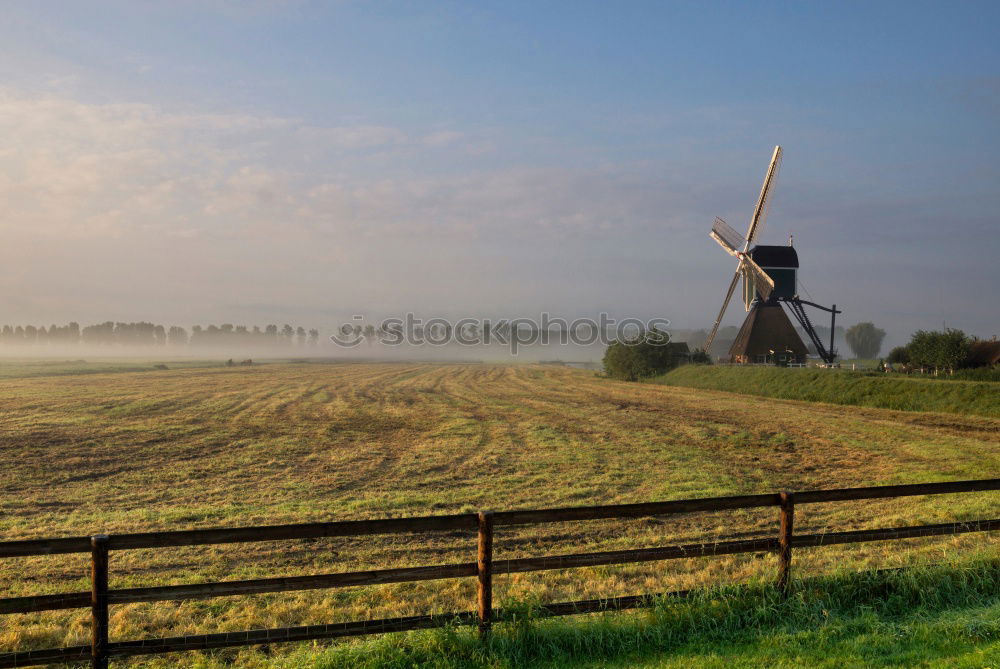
[177,336]
[865,340]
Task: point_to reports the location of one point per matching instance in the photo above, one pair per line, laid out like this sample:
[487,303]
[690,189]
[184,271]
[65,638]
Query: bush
[647,354]
[898,356]
[939,350]
[700,356]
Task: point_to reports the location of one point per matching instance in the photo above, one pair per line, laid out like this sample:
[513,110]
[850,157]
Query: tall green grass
[989,374]
[869,368]
[905,393]
[923,616]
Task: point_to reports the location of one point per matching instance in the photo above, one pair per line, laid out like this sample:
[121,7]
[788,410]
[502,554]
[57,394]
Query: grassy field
[198,447]
[31,367]
[870,389]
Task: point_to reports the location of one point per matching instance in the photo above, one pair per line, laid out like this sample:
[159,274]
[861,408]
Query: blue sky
[251,162]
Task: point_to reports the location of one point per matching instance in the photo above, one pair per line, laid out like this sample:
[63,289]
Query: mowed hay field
[146,450]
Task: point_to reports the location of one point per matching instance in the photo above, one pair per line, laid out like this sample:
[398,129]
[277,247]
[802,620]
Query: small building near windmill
[984,353]
[679,352]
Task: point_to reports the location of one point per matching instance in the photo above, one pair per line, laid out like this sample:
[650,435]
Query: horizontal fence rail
[484,523]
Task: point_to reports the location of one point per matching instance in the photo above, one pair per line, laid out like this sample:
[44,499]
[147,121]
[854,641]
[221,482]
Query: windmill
[769,279]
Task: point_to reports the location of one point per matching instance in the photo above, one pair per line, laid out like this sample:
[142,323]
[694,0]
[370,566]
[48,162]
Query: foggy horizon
[290,162]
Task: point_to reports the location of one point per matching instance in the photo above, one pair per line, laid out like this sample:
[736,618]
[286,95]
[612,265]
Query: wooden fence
[484,523]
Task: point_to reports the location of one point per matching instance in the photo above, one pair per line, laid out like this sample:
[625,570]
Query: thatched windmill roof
[766,330]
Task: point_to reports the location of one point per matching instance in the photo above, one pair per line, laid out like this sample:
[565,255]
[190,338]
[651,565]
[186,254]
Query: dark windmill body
[767,336]
[770,278]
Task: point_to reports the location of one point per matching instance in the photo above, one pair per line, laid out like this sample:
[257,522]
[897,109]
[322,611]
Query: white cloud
[442,138]
[353,137]
[73,169]
[129,205]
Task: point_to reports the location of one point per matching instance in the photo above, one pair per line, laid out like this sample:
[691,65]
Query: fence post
[484,567]
[785,542]
[99,601]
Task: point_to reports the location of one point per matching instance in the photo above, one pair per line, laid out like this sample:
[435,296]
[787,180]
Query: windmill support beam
[798,310]
[833,327]
[832,309]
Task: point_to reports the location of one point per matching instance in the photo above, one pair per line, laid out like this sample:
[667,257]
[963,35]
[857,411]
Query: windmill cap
[775,256]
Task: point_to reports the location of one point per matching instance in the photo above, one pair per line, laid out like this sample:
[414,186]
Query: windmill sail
[737,245]
[761,281]
[732,241]
[725,303]
[764,200]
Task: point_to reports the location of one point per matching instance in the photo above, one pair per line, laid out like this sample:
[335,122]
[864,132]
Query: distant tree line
[150,334]
[29,334]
